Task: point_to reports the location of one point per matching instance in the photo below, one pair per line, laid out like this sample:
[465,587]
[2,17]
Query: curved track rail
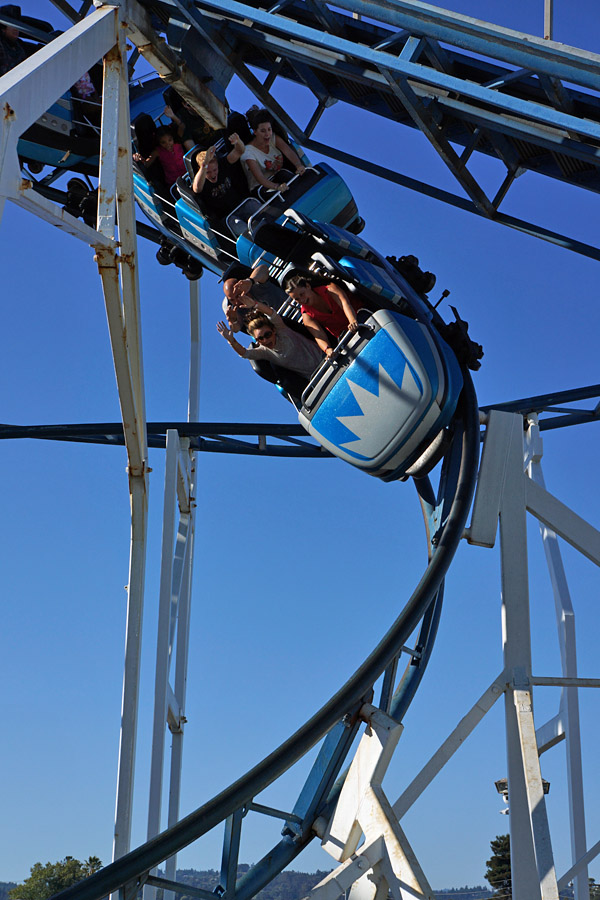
[339,718]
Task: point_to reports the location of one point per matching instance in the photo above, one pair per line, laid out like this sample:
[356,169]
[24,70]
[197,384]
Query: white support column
[516,642]
[502,491]
[538,818]
[163,648]
[131,676]
[549,22]
[185,602]
[569,705]
[181,664]
[175,604]
[121,296]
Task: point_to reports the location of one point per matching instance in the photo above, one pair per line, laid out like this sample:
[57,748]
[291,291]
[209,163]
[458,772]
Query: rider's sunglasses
[264,336]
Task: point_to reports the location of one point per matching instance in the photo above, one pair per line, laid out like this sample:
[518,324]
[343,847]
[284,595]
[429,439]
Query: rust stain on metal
[105,197]
[113,55]
[122,151]
[9,112]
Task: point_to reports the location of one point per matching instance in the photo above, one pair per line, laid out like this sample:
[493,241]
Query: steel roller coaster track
[338,720]
[554,410]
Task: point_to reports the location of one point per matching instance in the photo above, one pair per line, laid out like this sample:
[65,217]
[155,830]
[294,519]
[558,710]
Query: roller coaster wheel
[178,257]
[357,226]
[163,255]
[77,191]
[193,270]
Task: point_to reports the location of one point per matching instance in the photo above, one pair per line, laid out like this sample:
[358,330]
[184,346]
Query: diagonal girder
[429,124]
[393,64]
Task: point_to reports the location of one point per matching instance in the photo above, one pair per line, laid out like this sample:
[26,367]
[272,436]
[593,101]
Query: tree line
[48,879]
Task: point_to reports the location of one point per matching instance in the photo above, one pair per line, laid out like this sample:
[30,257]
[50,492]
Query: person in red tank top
[325,309]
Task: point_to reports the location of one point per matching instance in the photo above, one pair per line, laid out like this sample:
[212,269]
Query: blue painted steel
[323,772]
[540,111]
[374,278]
[179,887]
[51,141]
[231,850]
[393,398]
[381,59]
[421,187]
[523,50]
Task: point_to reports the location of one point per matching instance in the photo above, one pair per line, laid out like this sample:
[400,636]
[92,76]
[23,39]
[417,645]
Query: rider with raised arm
[263,157]
[240,280]
[214,181]
[277,343]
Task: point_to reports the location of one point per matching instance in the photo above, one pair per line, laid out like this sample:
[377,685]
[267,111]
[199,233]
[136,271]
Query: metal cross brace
[386,861]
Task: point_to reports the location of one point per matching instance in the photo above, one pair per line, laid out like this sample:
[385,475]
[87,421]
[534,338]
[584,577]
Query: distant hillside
[5,887]
[295,885]
[477,892]
[287,885]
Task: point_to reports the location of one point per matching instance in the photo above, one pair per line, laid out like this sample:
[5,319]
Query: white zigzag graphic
[382,414]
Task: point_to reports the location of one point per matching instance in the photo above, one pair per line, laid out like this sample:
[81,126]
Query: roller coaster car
[320,192]
[384,397]
[66,136]
[179,215]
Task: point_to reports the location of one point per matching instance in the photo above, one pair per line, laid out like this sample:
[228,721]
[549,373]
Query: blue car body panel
[395,394]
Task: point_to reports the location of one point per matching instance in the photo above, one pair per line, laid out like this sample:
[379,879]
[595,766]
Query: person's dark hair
[296,280]
[257,116]
[162,130]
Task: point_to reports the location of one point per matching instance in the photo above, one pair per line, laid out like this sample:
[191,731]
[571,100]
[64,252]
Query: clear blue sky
[300,566]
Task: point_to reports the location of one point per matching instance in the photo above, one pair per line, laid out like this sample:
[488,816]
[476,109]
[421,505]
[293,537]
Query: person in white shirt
[263,158]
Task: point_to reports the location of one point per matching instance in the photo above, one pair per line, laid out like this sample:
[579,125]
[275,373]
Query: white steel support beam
[386,861]
[570,874]
[523,701]
[163,640]
[516,642]
[181,660]
[563,521]
[121,296]
[131,675]
[30,89]
[569,706]
[531,867]
[447,750]
[175,604]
